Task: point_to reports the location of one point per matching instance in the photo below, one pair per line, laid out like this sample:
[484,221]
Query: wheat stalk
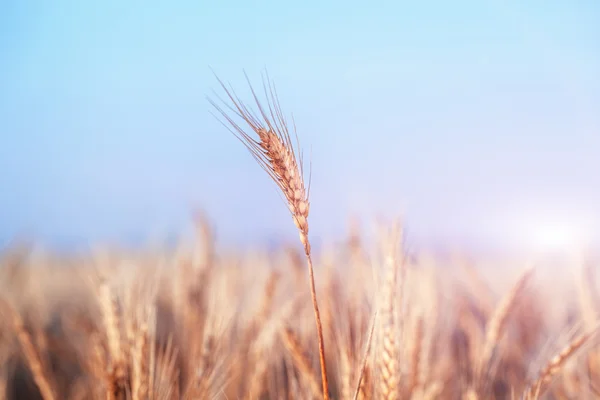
[363,364]
[32,356]
[300,358]
[417,348]
[275,153]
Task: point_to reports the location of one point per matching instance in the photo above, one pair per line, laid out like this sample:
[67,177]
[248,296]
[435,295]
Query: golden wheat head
[271,145]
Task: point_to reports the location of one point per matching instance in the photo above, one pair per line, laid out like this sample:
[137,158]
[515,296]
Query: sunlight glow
[555,237]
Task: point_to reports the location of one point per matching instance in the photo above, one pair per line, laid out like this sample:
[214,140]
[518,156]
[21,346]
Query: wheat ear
[498,321]
[388,356]
[556,363]
[274,151]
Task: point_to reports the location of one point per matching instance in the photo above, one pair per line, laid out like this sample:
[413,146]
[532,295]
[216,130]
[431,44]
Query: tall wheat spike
[275,153]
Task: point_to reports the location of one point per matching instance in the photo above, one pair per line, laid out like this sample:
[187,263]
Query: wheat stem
[365,358]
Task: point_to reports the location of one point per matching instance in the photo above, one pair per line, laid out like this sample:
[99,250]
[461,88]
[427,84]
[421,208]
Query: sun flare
[556,237]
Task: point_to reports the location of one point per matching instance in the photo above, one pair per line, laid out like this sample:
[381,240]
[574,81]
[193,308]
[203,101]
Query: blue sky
[472,119]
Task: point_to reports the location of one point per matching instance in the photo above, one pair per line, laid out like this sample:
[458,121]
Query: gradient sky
[476,120]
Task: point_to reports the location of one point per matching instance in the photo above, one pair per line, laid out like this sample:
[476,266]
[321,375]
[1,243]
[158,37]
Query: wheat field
[353,320]
[194,322]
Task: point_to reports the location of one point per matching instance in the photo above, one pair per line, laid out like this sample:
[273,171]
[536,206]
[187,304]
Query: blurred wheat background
[197,322]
